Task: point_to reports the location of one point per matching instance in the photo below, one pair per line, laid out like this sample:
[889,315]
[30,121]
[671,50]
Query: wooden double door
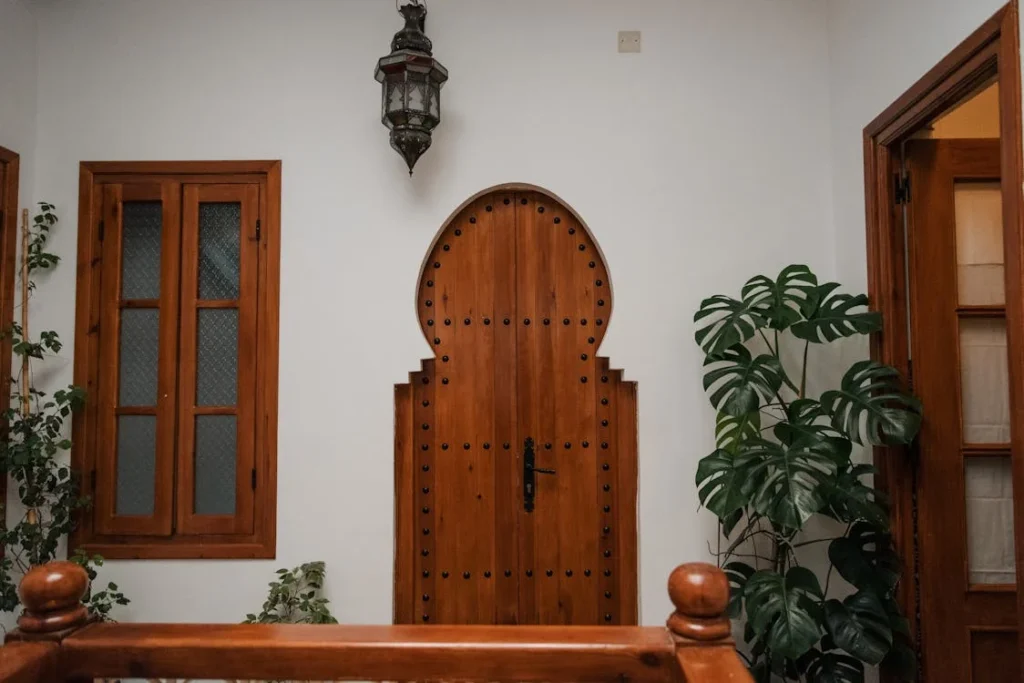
[515,444]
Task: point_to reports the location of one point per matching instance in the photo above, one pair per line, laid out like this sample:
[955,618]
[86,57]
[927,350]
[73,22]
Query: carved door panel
[515,444]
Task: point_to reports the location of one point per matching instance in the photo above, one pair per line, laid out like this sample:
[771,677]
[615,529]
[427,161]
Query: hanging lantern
[411,80]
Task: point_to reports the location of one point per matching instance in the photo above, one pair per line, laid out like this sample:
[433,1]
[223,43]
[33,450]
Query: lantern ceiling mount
[411,82]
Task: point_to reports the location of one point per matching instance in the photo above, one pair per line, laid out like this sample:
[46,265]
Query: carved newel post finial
[700,593]
[52,596]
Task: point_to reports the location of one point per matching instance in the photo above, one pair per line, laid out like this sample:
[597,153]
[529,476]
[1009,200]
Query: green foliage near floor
[296,597]
[783,458]
[33,451]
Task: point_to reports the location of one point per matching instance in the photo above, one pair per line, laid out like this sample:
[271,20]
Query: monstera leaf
[738,381]
[850,499]
[835,316]
[902,658]
[785,300]
[725,322]
[732,431]
[802,426]
[724,482]
[831,666]
[866,559]
[790,479]
[860,626]
[785,610]
[738,574]
[870,397]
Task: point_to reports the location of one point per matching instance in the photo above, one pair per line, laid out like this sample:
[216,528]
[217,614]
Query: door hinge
[102,230]
[253,478]
[92,481]
[901,192]
[910,374]
[259,229]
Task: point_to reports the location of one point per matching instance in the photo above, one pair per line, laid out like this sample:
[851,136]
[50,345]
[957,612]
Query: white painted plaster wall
[697,163]
[878,49]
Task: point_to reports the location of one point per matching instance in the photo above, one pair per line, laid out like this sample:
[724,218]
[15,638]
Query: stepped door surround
[515,445]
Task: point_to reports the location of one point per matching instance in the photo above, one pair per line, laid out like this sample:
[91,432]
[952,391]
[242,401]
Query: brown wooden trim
[986,450]
[29,662]
[403,606]
[979,311]
[992,50]
[178,168]
[256,537]
[206,547]
[1012,136]
[9,173]
[330,652]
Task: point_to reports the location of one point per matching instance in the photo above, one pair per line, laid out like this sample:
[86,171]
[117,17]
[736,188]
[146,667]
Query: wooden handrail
[695,648]
[28,662]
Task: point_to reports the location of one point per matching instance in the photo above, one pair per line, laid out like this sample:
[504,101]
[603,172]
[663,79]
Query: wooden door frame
[8,264]
[991,51]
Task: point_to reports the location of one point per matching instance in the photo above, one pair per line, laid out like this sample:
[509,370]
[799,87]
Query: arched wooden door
[515,445]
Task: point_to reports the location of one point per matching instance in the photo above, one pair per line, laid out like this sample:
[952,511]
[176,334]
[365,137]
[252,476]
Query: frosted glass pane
[136,464]
[140,350]
[984,378]
[219,234]
[981,285]
[140,250]
[990,551]
[979,243]
[215,465]
[217,357]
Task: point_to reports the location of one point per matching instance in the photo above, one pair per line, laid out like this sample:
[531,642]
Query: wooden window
[176,345]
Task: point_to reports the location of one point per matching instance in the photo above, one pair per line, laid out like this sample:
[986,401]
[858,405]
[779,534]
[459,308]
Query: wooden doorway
[515,446]
[923,198]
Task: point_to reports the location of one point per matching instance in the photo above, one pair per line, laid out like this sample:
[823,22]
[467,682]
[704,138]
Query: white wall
[18,110]
[878,49]
[697,163]
[18,87]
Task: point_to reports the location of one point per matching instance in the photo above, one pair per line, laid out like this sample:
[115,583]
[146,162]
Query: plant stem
[803,371]
[819,540]
[775,354]
[768,343]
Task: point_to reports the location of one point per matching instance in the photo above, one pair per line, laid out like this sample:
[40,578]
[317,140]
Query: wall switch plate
[629,41]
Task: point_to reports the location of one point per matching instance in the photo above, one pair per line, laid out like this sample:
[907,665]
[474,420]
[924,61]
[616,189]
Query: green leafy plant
[33,447]
[782,458]
[296,597]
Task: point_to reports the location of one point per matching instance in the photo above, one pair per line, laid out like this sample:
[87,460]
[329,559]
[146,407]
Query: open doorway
[946,270]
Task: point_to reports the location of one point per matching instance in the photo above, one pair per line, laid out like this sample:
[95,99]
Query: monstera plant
[783,458]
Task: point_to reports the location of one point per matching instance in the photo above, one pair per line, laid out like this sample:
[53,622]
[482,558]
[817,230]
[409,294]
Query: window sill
[178,550]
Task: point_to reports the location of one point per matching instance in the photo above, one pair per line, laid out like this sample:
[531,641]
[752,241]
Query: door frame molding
[8,265]
[993,50]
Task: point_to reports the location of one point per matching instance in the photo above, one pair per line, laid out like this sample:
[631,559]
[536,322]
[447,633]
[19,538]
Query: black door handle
[530,470]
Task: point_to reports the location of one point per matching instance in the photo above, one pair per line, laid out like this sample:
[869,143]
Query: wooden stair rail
[55,642]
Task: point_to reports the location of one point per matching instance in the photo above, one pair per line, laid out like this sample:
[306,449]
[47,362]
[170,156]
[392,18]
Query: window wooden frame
[199,539]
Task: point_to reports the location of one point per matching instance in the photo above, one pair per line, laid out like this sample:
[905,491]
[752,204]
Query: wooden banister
[28,662]
[695,648]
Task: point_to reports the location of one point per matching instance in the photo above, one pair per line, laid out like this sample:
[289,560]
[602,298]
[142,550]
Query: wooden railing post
[700,626]
[52,597]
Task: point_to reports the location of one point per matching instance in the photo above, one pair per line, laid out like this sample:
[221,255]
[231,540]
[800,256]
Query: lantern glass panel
[417,101]
[396,102]
[435,101]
